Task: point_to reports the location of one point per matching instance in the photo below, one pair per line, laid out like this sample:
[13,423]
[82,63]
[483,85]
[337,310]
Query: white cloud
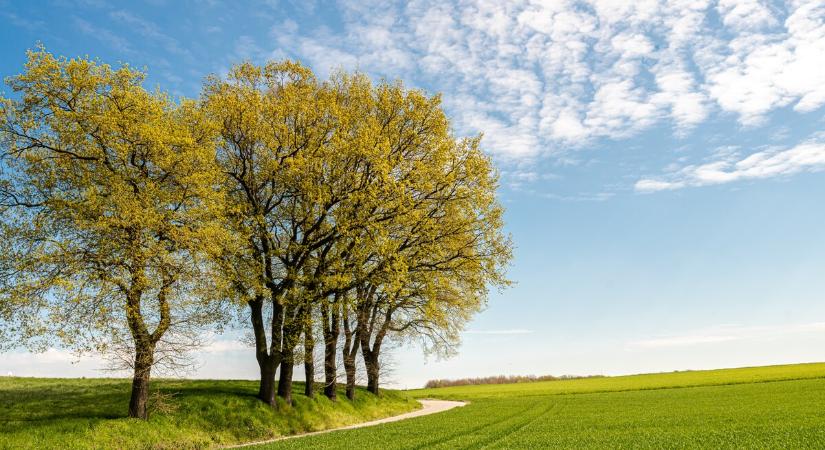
[53,363]
[538,77]
[745,14]
[499,332]
[223,346]
[726,333]
[808,156]
[764,70]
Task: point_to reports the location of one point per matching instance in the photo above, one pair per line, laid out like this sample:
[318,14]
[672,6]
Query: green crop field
[91,414]
[761,407]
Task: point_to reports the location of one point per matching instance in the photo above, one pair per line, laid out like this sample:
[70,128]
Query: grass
[759,407]
[90,413]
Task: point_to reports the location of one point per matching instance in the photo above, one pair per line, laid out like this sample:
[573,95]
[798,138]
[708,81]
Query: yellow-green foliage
[90,414]
[109,204]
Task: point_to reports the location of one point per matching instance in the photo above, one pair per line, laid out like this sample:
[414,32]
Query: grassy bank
[760,407]
[90,413]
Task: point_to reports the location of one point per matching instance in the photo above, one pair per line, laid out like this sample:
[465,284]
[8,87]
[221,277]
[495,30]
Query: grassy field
[90,413]
[761,407]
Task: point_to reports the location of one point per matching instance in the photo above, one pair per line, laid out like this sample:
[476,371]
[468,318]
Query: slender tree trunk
[350,351]
[292,330]
[144,356]
[309,356]
[349,368]
[332,323]
[372,353]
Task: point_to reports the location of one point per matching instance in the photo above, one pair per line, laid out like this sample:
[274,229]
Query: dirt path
[428,407]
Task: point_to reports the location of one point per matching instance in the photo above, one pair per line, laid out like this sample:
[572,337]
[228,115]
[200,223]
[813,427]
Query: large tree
[276,126]
[425,238]
[110,204]
[447,249]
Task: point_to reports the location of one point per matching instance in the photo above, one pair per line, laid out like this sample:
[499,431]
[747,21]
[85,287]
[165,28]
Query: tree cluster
[341,209]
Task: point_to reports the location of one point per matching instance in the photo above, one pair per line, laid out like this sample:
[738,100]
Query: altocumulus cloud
[538,77]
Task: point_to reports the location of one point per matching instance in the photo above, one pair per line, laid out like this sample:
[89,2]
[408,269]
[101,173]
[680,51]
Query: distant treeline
[504,379]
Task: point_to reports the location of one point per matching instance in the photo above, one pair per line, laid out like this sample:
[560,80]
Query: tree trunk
[373,370]
[309,356]
[285,380]
[332,323]
[292,331]
[350,351]
[266,388]
[349,368]
[372,354]
[268,357]
[144,356]
[144,345]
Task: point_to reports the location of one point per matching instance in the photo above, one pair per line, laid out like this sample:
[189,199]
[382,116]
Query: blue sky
[662,162]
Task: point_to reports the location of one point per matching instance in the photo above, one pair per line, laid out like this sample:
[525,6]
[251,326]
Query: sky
[662,162]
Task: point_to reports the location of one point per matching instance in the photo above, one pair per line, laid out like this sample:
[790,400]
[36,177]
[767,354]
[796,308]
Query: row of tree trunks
[297,321]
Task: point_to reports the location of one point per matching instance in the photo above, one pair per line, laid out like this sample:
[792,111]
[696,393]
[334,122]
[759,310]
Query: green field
[762,407]
[91,414]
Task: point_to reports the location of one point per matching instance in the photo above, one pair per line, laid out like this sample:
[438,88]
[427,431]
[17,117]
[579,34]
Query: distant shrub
[503,379]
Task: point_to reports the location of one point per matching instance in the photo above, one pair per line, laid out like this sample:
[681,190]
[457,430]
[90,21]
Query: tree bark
[331,326]
[309,356]
[350,351]
[373,370]
[369,316]
[266,388]
[144,341]
[268,356]
[285,380]
[140,381]
[349,368]
[292,331]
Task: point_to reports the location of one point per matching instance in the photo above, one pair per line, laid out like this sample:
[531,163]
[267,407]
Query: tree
[444,249]
[110,206]
[425,238]
[275,126]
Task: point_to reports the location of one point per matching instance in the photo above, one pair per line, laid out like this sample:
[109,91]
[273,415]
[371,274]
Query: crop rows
[778,414]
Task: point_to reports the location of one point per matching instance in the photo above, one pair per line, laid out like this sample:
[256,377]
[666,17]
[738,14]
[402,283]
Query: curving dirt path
[428,407]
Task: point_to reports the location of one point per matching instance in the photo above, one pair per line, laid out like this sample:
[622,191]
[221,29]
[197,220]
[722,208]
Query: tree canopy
[110,208]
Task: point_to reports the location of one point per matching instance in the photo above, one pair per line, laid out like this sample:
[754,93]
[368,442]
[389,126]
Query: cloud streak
[726,333]
[514,331]
[808,156]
